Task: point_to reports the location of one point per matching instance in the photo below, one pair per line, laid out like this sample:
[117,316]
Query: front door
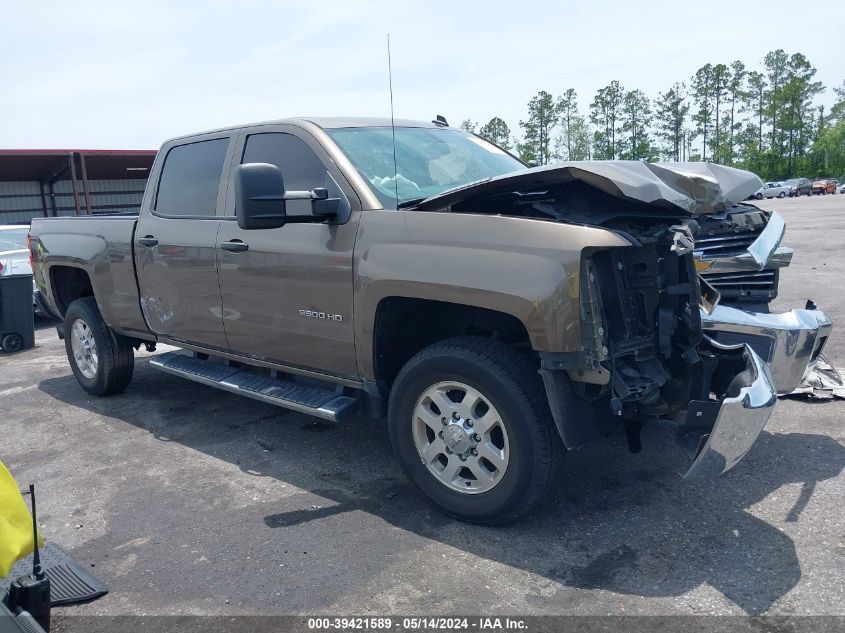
[288,297]
[175,244]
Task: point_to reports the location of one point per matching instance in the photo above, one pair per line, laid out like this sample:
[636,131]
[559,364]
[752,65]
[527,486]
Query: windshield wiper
[409,203]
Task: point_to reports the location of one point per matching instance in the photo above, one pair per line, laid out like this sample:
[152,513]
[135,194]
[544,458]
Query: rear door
[175,242]
[288,297]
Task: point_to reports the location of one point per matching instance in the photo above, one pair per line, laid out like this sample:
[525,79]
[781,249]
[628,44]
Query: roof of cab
[331,123]
[326,123]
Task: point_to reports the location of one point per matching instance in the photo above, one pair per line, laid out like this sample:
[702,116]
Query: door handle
[148,240]
[235,246]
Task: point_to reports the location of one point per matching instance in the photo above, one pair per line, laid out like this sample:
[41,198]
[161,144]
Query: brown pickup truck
[496,315]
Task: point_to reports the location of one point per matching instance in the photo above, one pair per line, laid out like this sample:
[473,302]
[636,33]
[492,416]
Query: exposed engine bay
[667,327]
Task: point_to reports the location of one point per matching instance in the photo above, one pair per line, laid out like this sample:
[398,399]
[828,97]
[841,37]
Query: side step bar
[320,403]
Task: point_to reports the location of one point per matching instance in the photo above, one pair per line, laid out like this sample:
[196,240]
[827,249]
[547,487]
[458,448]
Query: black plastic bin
[17,321]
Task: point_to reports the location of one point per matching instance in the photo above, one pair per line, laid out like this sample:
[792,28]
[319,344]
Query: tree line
[766,121]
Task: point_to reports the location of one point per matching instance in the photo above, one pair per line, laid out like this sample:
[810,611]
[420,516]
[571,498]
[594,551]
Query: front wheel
[101,361]
[470,423]
[759,196]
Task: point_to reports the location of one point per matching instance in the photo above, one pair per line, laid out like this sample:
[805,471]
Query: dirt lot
[188,500]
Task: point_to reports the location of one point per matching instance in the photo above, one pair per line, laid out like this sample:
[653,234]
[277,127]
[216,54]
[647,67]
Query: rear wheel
[781,195]
[470,424]
[101,360]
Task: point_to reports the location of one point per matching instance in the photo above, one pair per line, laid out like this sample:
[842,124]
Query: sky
[129,75]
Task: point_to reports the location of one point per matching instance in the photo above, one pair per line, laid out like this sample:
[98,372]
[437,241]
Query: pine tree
[671,110]
[775,63]
[537,129]
[736,91]
[605,111]
[702,93]
[636,118]
[721,79]
[497,132]
[573,142]
[799,90]
[754,102]
[567,107]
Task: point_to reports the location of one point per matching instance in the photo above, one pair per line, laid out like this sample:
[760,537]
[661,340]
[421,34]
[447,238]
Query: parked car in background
[842,188]
[824,186]
[14,253]
[799,187]
[772,190]
[14,259]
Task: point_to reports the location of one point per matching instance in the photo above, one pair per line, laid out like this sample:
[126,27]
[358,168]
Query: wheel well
[404,326]
[68,284]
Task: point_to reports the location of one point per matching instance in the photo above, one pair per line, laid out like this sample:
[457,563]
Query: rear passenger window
[300,166]
[190,178]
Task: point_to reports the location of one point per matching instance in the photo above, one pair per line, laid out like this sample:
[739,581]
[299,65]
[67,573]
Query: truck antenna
[392,125]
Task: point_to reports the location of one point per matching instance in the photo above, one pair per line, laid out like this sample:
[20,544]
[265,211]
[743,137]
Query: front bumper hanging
[787,342]
[739,420]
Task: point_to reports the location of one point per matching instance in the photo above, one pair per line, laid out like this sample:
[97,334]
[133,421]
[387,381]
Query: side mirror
[260,199]
[259,196]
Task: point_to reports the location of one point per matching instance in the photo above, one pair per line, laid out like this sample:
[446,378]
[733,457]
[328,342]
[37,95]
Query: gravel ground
[187,500]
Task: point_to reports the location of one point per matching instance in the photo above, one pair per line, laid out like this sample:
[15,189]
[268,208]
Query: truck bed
[97,250]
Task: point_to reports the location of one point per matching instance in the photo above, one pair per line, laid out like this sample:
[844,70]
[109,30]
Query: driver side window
[300,166]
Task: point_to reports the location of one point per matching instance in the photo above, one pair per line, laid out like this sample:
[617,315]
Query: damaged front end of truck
[675,328]
[647,358]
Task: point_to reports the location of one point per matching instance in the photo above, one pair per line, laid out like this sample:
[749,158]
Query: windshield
[429,161]
[13,239]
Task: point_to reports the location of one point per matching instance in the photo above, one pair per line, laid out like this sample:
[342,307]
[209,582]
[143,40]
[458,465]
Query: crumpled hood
[694,188]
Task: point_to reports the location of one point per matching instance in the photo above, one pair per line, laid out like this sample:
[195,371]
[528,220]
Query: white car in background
[772,190]
[14,253]
[14,257]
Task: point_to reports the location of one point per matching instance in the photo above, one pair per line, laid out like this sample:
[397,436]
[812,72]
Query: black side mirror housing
[259,196]
[260,199]
[322,205]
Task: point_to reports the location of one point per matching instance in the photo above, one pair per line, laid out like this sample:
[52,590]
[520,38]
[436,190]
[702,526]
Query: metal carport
[57,182]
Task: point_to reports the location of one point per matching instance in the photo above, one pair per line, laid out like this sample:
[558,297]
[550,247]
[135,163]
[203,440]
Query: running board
[320,403]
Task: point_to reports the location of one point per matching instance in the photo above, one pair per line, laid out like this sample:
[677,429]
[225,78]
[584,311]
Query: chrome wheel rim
[84,348]
[460,437]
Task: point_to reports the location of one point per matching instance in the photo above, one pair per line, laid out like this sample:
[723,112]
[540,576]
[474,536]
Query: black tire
[513,386]
[12,343]
[759,196]
[115,356]
[781,195]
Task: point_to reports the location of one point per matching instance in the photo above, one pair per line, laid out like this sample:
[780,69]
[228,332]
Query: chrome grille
[724,245]
[761,284]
